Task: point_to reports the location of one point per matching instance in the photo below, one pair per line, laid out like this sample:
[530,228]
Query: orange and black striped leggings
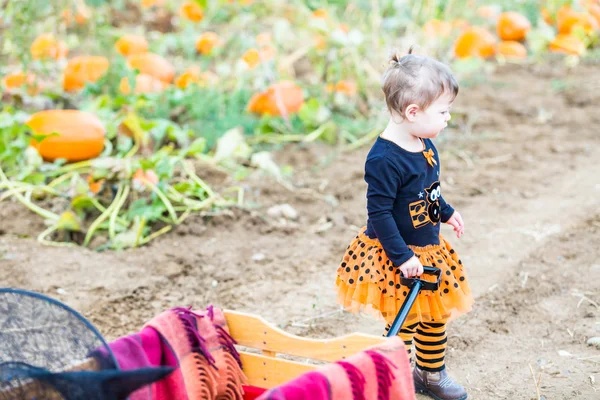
[430,344]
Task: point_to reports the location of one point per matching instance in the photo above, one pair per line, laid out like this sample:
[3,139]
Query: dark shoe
[438,385]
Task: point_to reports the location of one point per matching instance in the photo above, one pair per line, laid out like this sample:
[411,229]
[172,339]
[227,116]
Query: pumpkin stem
[163,198]
[27,203]
[115,213]
[155,234]
[188,169]
[94,227]
[42,238]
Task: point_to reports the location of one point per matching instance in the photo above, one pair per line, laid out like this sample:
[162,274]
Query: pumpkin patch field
[167,153]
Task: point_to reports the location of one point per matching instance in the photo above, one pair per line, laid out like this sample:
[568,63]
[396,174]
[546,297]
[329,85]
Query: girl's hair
[416,79]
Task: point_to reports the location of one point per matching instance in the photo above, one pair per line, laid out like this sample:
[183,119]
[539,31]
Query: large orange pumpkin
[512,49]
[567,44]
[83,69]
[289,94]
[568,19]
[192,11]
[46,46]
[143,84]
[512,26]
[79,134]
[153,65]
[475,42]
[16,80]
[131,44]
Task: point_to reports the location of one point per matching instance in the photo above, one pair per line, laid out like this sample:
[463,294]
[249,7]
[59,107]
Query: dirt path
[519,165]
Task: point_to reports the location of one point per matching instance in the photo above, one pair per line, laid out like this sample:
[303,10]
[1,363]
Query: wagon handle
[415,285]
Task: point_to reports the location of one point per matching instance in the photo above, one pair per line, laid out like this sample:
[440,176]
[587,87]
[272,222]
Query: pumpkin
[437,29]
[207,42]
[152,3]
[567,44]
[320,13]
[76,135]
[191,75]
[290,95]
[568,19]
[348,88]
[16,80]
[83,69]
[131,44]
[141,178]
[475,42]
[46,46]
[153,65]
[547,16]
[143,84]
[192,11]
[512,26]
[512,49]
[80,17]
[253,57]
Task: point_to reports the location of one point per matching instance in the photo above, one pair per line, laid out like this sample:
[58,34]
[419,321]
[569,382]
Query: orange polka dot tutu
[367,280]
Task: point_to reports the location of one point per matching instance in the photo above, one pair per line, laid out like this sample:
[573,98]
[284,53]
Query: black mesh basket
[45,349]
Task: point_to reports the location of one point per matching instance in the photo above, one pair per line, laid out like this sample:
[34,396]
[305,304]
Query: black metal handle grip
[415,285]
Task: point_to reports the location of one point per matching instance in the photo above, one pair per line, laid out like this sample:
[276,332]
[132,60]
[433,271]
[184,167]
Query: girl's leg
[430,375]
[430,346]
[407,334]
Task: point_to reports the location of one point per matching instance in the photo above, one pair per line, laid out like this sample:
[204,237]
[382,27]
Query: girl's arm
[383,180]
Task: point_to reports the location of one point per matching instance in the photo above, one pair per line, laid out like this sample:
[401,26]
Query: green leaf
[202,3]
[82,203]
[40,137]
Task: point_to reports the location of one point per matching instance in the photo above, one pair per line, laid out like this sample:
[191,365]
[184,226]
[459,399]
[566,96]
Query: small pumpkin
[143,84]
[567,44]
[131,44]
[475,42]
[437,29]
[153,65]
[152,3]
[16,80]
[346,87]
[191,75]
[320,13]
[207,42]
[83,69]
[568,19]
[512,26]
[191,11]
[280,98]
[47,46]
[80,17]
[253,57]
[74,135]
[141,178]
[512,49]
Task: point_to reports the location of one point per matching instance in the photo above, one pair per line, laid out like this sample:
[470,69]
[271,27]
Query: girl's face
[430,122]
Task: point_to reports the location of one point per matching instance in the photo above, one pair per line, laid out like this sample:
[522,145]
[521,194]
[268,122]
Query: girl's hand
[412,267]
[457,223]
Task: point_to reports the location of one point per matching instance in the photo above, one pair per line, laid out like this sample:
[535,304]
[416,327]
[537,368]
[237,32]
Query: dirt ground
[518,164]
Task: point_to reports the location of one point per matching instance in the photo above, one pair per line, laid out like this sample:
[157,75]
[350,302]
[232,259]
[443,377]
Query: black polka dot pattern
[366,270]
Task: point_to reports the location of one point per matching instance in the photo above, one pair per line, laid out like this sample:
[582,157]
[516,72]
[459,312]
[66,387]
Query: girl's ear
[411,112]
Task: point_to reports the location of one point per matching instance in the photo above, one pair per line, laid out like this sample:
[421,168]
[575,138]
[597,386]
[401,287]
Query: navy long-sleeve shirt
[404,201]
